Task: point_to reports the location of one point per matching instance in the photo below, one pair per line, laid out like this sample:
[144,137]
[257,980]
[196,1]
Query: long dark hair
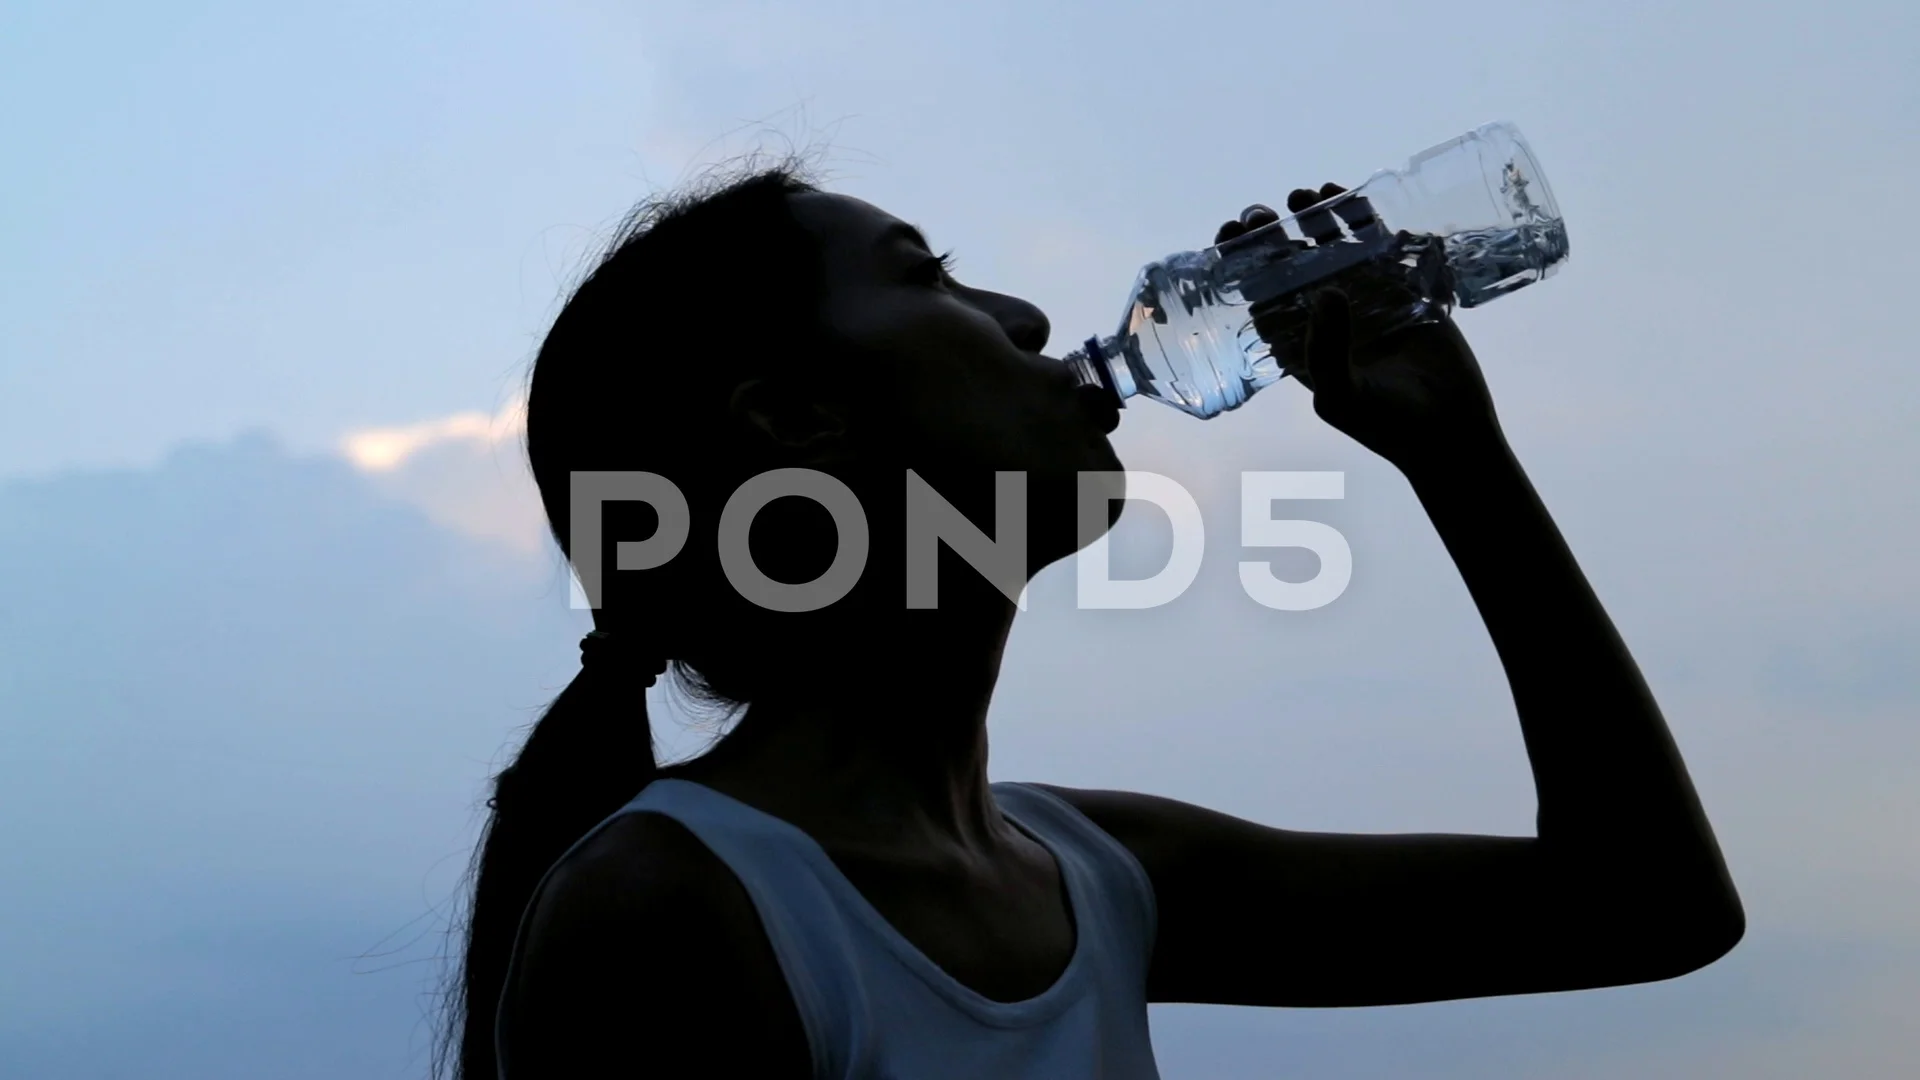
[698,288]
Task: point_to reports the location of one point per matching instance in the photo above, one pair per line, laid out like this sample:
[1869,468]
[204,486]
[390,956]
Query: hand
[1415,395]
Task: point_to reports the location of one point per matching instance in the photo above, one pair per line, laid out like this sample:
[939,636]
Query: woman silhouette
[835,890]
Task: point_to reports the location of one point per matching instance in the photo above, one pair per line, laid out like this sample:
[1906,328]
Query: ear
[800,427]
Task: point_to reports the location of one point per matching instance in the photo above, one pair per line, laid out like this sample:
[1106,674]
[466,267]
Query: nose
[1024,323]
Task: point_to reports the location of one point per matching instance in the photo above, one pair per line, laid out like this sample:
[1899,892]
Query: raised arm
[1624,882]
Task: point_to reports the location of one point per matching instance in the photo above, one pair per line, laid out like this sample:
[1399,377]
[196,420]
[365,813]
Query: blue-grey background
[274,597]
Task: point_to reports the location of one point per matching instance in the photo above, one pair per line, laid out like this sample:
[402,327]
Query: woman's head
[951,375]
[768,325]
[756,324]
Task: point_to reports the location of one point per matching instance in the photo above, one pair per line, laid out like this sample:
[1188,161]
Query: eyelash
[940,268]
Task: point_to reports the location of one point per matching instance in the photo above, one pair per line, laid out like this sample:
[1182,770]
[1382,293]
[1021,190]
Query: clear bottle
[1462,223]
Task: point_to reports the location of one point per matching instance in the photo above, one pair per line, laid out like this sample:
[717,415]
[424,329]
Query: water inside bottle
[1189,340]
[1489,263]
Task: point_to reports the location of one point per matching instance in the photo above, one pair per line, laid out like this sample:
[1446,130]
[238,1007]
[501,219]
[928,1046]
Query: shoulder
[1152,827]
[637,863]
[641,942]
[1175,842]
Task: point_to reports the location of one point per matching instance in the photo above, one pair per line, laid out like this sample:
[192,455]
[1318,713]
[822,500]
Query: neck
[885,744]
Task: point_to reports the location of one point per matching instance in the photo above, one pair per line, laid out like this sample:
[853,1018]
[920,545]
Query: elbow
[1661,922]
[1644,939]
[1714,923]
[1687,942]
[1716,935]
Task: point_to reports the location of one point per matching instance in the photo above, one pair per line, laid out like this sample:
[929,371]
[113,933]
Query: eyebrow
[902,231]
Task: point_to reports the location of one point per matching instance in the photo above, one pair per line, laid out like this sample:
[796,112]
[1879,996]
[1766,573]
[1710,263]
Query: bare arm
[1623,882]
[645,958]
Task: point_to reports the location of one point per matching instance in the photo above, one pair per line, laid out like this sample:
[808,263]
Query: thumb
[1329,348]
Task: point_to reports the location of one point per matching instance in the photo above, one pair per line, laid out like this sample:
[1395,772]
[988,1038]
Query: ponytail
[631,376]
[589,754]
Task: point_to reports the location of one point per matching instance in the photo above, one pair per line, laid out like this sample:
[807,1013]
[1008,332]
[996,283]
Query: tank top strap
[1122,893]
[804,916]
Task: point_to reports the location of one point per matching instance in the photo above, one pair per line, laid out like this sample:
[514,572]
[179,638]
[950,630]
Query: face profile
[947,378]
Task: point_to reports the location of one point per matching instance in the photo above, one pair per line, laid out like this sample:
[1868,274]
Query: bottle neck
[1099,363]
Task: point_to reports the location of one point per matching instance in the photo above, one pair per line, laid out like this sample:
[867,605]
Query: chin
[1104,457]
[1054,506]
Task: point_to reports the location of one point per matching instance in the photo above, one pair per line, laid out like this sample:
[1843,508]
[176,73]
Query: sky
[274,594]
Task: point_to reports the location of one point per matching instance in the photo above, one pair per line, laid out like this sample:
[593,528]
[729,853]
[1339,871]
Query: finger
[1320,226]
[1301,198]
[1283,326]
[1329,347]
[1259,214]
[1328,191]
[1253,217]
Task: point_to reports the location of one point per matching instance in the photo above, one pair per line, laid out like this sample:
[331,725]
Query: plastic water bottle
[1465,222]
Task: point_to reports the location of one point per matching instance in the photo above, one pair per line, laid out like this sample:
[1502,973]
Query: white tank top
[875,1008]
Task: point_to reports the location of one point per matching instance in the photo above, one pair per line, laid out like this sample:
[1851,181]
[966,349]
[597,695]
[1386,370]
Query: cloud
[249,703]
[384,449]
[465,471]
